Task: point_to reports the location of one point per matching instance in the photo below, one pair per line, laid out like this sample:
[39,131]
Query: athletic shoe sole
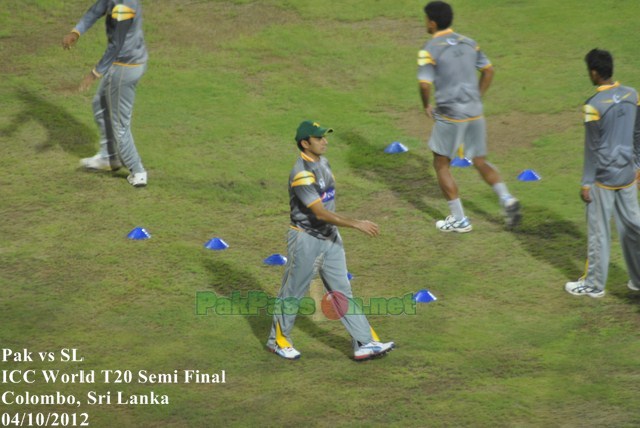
[91,164]
[457,230]
[443,226]
[571,290]
[373,356]
[274,351]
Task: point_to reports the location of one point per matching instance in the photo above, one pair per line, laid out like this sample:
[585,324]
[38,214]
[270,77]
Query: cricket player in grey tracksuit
[611,167]
[315,245]
[449,65]
[121,67]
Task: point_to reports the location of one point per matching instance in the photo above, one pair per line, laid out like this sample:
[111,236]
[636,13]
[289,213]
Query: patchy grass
[227,84]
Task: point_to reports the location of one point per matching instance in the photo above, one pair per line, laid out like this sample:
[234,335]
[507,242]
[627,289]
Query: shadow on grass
[62,128]
[406,174]
[544,234]
[225,279]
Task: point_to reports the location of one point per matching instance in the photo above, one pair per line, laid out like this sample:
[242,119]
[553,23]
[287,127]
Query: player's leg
[106,158]
[333,271]
[599,212]
[476,141]
[447,183]
[627,215]
[444,142]
[121,96]
[302,252]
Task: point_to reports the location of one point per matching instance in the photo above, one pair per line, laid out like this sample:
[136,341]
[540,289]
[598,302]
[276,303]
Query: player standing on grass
[611,168]
[121,67]
[314,244]
[450,62]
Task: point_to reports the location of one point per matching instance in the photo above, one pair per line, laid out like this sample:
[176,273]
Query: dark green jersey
[312,183]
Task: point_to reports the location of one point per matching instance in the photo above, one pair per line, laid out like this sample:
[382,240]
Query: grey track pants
[112,111]
[623,204]
[306,255]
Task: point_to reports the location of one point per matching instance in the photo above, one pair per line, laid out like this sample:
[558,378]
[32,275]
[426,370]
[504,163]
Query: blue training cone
[424,296]
[396,147]
[276,260]
[349,276]
[459,162]
[216,244]
[529,175]
[139,233]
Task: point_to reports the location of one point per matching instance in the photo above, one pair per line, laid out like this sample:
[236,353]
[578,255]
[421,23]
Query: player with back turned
[450,62]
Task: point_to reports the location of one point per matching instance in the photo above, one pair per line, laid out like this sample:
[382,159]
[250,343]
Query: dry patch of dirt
[504,132]
[206,25]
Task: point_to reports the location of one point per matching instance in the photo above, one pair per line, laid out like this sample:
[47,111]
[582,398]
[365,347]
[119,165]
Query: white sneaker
[450,224]
[372,349]
[101,163]
[139,179]
[578,288]
[290,353]
[512,212]
[632,287]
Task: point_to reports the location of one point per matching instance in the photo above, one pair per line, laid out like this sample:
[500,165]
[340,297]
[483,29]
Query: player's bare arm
[364,226]
[425,93]
[486,77]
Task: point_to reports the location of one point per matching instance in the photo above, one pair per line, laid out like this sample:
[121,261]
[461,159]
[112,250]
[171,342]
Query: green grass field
[228,82]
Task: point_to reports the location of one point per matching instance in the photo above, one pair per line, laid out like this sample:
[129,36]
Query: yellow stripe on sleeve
[304,178]
[590,113]
[425,58]
[122,13]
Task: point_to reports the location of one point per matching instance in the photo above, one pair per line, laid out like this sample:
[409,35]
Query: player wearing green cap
[315,245]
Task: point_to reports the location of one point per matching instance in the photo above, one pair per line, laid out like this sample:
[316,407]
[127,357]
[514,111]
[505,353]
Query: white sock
[502,192]
[455,206]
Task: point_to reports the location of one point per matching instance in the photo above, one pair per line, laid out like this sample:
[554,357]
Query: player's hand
[584,194]
[370,228]
[69,40]
[87,82]
[428,110]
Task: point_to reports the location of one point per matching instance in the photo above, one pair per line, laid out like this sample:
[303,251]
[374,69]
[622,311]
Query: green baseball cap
[309,128]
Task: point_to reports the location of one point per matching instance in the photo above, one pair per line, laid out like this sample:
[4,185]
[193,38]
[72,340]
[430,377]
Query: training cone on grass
[461,162]
[396,147]
[138,233]
[424,296]
[216,244]
[529,175]
[276,260]
[349,276]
